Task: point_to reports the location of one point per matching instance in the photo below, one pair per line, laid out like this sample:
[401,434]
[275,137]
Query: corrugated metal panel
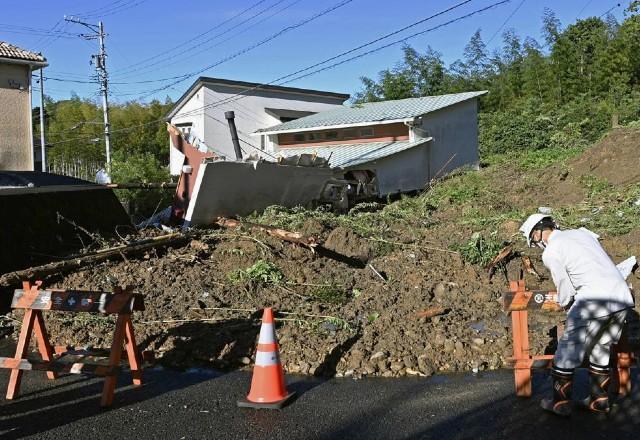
[350,155]
[376,112]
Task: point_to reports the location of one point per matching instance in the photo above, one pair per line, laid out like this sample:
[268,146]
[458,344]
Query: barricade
[122,302]
[517,301]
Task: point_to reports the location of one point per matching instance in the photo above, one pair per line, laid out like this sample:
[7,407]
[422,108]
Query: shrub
[261,273]
[480,250]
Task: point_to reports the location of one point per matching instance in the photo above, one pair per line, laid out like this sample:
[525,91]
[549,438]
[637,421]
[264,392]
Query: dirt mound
[353,308]
[615,158]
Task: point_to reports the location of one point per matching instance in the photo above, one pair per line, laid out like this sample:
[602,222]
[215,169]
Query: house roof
[204,80]
[11,52]
[351,155]
[372,112]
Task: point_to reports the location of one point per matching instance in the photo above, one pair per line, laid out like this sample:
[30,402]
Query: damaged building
[386,147]
[198,113]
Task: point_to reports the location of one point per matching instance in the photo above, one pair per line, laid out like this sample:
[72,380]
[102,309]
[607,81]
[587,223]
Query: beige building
[16,123]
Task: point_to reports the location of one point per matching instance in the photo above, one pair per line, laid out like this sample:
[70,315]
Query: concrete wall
[240,188]
[455,132]
[15,118]
[250,116]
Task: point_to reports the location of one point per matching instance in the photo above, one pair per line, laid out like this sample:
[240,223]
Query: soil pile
[355,310]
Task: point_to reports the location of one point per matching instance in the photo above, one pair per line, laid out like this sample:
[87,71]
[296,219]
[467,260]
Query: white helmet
[530,223]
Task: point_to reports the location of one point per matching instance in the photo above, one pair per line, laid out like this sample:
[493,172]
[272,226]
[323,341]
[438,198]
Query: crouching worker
[597,298]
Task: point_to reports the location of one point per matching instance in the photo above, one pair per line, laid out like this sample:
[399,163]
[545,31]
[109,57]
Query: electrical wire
[504,23]
[248,48]
[181,55]
[179,46]
[243,94]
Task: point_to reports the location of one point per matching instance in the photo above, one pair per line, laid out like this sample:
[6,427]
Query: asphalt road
[202,405]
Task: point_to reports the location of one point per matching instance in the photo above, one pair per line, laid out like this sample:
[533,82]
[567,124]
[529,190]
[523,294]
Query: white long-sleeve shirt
[582,270]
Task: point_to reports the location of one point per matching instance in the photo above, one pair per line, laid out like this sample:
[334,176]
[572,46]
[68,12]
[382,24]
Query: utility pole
[43,153]
[100,61]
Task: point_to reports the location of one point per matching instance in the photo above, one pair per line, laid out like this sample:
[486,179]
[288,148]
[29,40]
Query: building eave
[32,63]
[203,81]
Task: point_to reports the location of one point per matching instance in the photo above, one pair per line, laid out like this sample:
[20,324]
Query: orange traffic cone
[268,389]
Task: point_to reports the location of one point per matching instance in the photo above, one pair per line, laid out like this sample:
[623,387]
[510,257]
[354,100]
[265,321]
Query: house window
[315,136]
[331,135]
[348,134]
[366,132]
[299,137]
[184,127]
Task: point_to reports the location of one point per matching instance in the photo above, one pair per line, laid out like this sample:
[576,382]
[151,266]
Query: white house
[386,147]
[199,113]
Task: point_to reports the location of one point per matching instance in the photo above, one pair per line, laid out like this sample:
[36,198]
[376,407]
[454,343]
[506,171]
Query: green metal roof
[373,112]
[351,155]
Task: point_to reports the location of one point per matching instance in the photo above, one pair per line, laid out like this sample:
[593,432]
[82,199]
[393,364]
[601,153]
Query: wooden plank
[77,301]
[58,367]
[530,300]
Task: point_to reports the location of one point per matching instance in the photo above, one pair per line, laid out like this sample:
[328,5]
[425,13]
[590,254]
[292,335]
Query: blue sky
[142,29]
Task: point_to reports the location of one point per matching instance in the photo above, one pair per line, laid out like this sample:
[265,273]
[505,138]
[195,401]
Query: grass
[330,293]
[261,273]
[480,249]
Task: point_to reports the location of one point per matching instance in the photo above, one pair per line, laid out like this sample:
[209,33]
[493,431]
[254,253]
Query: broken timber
[292,237]
[38,272]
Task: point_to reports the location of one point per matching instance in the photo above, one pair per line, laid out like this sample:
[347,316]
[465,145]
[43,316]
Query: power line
[610,9]
[506,21]
[243,94]
[164,60]
[249,48]
[281,79]
[219,25]
[586,5]
[114,9]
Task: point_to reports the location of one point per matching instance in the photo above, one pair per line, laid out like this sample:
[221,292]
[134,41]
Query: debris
[76,262]
[545,210]
[377,273]
[292,237]
[430,313]
[528,266]
[500,260]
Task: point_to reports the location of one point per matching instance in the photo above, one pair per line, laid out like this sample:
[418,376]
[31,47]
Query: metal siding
[454,131]
[353,155]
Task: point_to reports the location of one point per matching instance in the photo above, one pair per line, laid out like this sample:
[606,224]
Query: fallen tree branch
[292,237]
[78,261]
[430,313]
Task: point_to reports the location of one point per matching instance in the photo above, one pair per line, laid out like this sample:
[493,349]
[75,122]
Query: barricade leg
[42,339]
[21,351]
[624,373]
[522,370]
[114,361]
[133,355]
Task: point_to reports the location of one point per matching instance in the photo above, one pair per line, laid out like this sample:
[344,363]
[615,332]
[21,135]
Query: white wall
[250,115]
[197,119]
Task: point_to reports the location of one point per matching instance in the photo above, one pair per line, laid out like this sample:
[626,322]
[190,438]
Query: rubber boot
[598,400]
[560,404]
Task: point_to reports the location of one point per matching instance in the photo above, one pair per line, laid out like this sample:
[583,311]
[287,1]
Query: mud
[350,312]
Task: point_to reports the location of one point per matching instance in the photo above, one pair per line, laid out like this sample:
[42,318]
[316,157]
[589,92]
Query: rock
[378,356]
[425,365]
[397,366]
[383,365]
[449,346]
[409,361]
[439,339]
[478,341]
[304,367]
[387,374]
[439,292]
[245,360]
